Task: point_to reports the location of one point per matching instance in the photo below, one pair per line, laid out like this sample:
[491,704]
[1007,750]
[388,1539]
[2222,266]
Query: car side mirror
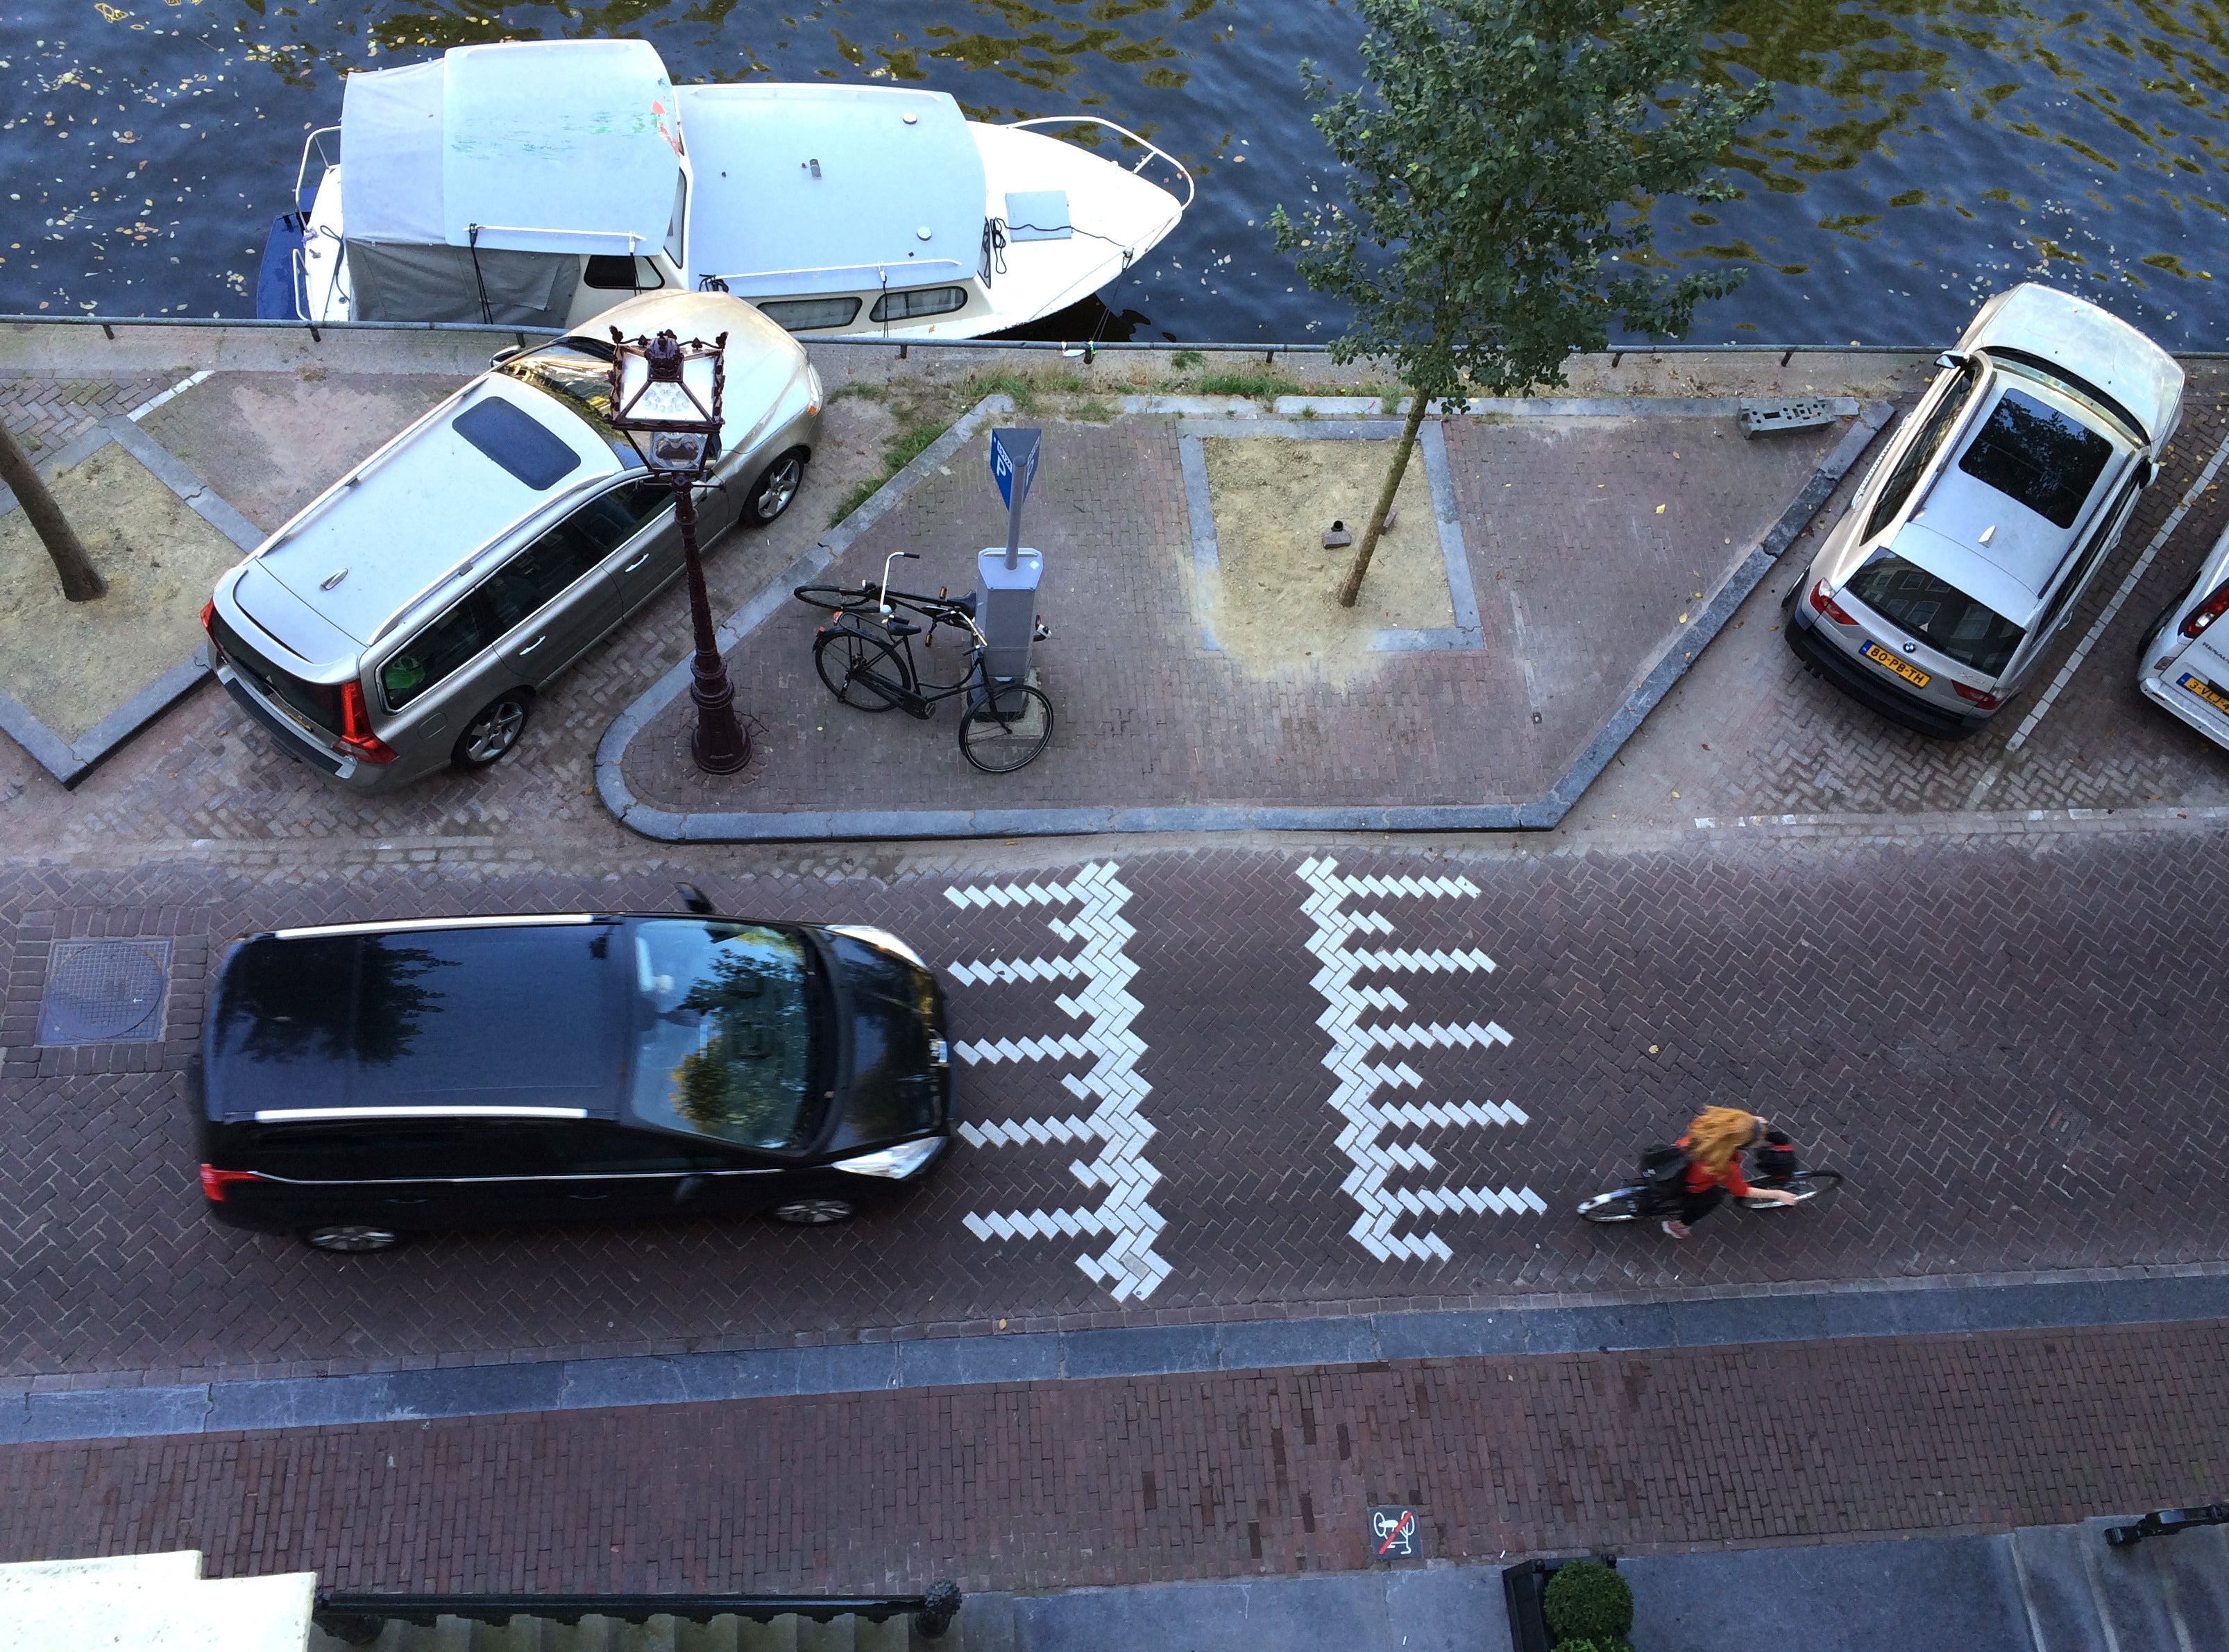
[1950,358]
[501,357]
[694,899]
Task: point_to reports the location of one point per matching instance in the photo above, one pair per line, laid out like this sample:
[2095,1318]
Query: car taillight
[1981,697]
[1827,606]
[208,616]
[356,727]
[215,1181]
[2206,613]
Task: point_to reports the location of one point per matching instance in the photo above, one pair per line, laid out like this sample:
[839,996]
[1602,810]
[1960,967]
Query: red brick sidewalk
[1049,1484]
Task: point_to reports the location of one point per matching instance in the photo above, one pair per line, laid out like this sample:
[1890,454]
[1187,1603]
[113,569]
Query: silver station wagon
[2184,666]
[404,620]
[1972,539]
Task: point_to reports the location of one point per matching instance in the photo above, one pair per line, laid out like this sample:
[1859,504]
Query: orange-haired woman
[1715,1142]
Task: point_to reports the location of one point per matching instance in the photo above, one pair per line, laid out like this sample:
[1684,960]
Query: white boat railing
[301,173]
[1151,149]
[475,231]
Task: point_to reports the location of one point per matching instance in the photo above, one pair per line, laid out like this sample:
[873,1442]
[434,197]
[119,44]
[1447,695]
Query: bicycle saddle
[965,605]
[902,628]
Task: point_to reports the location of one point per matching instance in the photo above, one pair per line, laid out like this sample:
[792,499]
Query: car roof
[367,550]
[2026,549]
[512,1016]
[2089,344]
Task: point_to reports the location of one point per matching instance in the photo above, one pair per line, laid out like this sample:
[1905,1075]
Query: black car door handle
[587,1198]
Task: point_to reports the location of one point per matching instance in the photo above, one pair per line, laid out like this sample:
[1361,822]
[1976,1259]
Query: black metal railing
[356,1617]
[2165,1522]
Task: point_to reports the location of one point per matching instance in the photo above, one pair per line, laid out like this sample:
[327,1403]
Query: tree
[1506,154]
[81,581]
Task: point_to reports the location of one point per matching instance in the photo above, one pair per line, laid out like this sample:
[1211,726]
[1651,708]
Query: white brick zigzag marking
[1368,1122]
[1129,1266]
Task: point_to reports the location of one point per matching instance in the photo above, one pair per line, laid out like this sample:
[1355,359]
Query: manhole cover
[2066,1127]
[104,992]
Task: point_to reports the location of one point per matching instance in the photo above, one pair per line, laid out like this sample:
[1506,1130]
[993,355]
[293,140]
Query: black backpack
[1663,1165]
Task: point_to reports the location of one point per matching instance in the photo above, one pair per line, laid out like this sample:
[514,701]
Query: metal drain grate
[2066,1127]
[105,992]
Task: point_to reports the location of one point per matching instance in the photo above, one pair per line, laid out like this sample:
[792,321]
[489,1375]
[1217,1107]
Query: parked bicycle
[866,661]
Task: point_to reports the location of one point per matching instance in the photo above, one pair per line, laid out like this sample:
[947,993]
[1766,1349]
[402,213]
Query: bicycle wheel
[999,740]
[863,672]
[837,598]
[1620,1205]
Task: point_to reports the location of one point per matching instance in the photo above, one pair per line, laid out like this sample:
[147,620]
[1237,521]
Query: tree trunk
[1365,550]
[81,581]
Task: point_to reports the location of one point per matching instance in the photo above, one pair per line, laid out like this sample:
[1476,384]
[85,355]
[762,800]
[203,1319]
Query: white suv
[1975,532]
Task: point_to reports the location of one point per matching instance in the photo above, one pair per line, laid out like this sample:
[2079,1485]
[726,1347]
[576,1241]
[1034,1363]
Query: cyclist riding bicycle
[1713,1145]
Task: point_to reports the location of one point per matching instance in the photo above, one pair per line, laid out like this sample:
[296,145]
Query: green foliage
[1599,1643]
[1587,1600]
[1502,163]
[860,387]
[907,445]
[1187,359]
[1262,386]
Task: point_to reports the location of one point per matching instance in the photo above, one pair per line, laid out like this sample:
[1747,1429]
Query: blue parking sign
[1013,451]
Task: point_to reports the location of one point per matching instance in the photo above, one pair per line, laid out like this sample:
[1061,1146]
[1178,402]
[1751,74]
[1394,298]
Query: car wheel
[351,1237]
[777,485]
[493,732]
[815,1213]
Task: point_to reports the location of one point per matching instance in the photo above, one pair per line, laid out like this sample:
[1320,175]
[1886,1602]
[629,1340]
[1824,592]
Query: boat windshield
[724,1044]
[575,373]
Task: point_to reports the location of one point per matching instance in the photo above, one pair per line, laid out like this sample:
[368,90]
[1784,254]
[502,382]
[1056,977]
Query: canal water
[1923,153]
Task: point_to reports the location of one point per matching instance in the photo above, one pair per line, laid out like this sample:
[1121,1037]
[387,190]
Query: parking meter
[1008,578]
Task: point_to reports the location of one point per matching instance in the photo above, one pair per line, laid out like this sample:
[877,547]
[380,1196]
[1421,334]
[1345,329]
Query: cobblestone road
[1999,1045]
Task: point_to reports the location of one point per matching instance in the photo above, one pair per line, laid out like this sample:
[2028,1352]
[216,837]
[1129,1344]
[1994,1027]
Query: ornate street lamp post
[665,401]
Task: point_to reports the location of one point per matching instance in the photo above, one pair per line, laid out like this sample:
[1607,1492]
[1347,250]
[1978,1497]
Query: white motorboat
[538,183]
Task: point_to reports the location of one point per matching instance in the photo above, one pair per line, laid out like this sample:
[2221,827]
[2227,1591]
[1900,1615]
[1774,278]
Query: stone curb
[1542,814]
[1870,1309]
[71,761]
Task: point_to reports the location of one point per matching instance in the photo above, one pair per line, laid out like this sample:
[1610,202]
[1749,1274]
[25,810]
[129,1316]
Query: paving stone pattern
[1747,732]
[45,413]
[1053,1485]
[1983,1039]
[1145,715]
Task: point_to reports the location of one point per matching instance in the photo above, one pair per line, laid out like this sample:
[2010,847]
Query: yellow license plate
[1912,674]
[2204,690]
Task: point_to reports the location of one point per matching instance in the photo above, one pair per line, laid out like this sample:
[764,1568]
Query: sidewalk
[1035,1486]
[1584,552]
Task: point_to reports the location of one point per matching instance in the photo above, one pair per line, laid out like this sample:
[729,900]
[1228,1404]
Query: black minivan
[359,1082]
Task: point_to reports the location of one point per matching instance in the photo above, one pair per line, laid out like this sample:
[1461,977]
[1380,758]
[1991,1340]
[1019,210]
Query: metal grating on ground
[105,992]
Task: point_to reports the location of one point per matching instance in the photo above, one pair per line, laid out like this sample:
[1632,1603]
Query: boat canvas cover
[546,146]
[802,190]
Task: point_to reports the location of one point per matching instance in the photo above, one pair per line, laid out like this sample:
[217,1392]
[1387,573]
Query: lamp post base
[720,743]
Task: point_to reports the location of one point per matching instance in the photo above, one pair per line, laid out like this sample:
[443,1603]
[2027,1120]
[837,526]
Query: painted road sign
[1396,1534]
[1014,451]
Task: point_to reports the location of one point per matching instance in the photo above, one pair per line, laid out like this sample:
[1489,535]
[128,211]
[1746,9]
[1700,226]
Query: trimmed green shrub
[1607,1644]
[1587,1601]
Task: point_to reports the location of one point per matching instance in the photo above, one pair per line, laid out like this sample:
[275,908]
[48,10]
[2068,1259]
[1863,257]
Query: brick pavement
[1047,1485]
[1777,741]
[1996,1043]
[1746,732]
[1579,587]
[45,411]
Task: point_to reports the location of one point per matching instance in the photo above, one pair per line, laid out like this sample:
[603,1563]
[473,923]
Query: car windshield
[2038,456]
[575,374]
[1937,612]
[725,1047]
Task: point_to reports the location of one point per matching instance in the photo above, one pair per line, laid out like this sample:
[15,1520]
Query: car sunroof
[517,441]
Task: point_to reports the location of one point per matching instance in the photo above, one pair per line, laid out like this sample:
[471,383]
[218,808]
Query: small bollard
[1337,536]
